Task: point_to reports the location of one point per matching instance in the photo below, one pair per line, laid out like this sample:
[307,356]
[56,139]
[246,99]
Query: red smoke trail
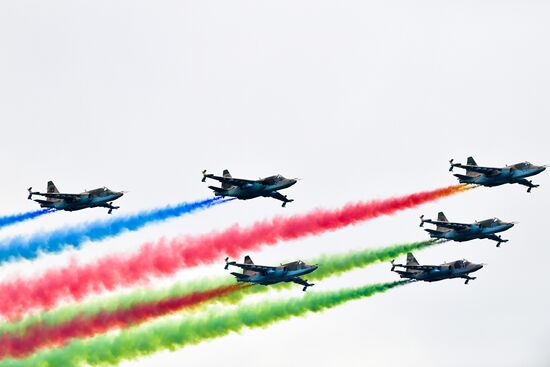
[41,336]
[166,257]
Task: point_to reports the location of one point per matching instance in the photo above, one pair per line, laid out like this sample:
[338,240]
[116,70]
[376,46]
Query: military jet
[102,197]
[488,176]
[266,275]
[248,189]
[433,273]
[461,232]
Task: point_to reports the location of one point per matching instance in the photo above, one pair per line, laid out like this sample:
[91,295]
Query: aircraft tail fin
[471,162]
[228,175]
[442,218]
[249,273]
[411,260]
[51,189]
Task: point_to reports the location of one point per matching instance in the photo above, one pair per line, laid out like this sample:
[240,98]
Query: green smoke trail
[190,329]
[330,265]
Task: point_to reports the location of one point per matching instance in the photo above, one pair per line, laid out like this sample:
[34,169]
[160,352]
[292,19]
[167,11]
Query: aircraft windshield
[272,180]
[460,264]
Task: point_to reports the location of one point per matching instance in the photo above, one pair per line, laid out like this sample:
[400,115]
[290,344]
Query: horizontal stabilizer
[240,276]
[216,189]
[434,232]
[464,178]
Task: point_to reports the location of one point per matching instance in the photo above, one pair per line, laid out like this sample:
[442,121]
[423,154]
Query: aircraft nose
[478,266]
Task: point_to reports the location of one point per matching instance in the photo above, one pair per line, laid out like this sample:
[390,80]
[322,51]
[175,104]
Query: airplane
[266,275]
[248,189]
[461,232]
[488,176]
[433,273]
[102,197]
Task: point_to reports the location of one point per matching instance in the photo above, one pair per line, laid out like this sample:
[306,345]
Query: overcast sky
[360,99]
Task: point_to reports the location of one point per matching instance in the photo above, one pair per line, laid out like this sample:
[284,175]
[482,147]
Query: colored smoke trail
[22,217]
[192,329]
[165,257]
[30,247]
[55,335]
[57,327]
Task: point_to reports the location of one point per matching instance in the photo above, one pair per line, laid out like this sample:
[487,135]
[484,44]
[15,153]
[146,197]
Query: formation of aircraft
[433,273]
[490,176]
[266,275]
[461,232]
[244,189]
[102,197]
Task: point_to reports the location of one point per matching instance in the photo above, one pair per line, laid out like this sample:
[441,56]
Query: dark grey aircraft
[102,197]
[266,275]
[489,176]
[248,189]
[433,273]
[466,231]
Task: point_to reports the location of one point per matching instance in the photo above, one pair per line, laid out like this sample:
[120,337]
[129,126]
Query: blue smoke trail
[16,218]
[30,247]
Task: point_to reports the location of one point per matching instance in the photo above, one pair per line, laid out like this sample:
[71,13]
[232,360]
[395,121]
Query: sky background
[360,99]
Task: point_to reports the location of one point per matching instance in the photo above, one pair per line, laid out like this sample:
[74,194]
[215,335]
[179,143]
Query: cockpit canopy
[490,222]
[523,165]
[460,264]
[296,265]
[272,180]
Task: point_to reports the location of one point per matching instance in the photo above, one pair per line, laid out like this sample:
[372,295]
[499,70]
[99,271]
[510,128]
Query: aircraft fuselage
[475,231]
[506,176]
[278,275]
[447,271]
[255,189]
[81,202]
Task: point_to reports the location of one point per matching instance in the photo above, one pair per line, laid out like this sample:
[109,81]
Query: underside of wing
[300,281]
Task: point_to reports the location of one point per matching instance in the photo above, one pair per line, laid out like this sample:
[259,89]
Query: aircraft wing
[56,195]
[423,267]
[253,267]
[231,180]
[489,171]
[300,281]
[452,225]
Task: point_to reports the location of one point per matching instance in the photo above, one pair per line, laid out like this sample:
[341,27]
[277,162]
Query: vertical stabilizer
[248,260]
[228,175]
[470,161]
[442,218]
[51,189]
[411,260]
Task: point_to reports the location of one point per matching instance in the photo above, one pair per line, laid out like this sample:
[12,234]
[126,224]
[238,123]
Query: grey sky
[361,99]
